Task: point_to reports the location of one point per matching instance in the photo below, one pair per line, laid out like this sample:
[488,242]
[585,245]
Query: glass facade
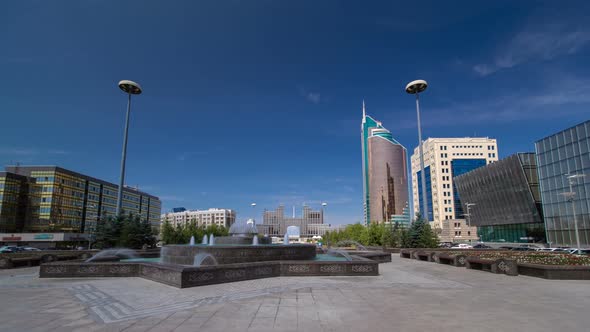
[17,196]
[558,156]
[385,174]
[62,200]
[524,233]
[460,167]
[427,177]
[506,194]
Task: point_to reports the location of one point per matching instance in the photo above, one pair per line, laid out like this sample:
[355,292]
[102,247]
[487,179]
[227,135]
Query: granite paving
[409,295]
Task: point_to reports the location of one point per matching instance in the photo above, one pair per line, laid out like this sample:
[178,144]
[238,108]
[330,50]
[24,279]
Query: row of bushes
[126,231]
[418,235]
[181,234]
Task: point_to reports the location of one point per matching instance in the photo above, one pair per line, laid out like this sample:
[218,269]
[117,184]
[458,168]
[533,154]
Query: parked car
[553,250]
[481,246]
[30,249]
[462,246]
[6,250]
[10,249]
[585,252]
[522,249]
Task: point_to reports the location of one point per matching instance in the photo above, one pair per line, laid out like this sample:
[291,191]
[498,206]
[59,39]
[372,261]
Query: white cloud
[313,97]
[190,154]
[20,151]
[171,198]
[562,97]
[539,41]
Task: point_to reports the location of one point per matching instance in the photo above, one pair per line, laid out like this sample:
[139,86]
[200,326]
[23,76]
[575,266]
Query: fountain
[244,255]
[204,259]
[113,255]
[338,252]
[350,243]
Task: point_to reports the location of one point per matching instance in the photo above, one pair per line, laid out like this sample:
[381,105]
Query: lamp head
[130,87]
[416,86]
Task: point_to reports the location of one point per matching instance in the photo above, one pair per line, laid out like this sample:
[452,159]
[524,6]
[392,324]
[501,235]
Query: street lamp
[414,88]
[253,211]
[468,214]
[130,88]
[570,197]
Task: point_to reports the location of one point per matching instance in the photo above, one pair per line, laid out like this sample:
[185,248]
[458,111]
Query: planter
[405,253]
[457,260]
[557,272]
[498,266]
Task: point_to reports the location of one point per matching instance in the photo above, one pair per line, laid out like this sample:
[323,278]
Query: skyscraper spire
[364,113]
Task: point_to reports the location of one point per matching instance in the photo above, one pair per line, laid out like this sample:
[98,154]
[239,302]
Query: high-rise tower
[385,179]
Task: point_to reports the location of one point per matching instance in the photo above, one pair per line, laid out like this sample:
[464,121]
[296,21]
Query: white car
[462,246]
[31,249]
[553,249]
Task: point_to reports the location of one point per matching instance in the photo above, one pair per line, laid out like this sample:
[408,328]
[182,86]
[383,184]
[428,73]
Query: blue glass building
[561,155]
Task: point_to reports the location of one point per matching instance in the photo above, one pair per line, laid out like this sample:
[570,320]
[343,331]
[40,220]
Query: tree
[421,235]
[125,231]
[167,232]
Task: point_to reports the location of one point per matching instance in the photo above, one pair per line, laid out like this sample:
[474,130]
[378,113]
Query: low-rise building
[219,217]
[275,223]
[456,230]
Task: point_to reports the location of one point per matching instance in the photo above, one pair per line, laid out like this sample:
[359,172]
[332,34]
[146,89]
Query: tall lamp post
[253,205]
[130,88]
[468,215]
[415,88]
[570,197]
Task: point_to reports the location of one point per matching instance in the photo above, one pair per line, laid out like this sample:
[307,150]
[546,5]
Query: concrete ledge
[498,266]
[457,260]
[405,253]
[557,272]
[378,256]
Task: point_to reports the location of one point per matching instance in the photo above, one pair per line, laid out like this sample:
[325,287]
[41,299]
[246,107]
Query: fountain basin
[187,276]
[232,254]
[241,240]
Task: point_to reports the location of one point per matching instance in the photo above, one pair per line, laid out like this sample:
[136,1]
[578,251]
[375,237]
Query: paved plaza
[409,295]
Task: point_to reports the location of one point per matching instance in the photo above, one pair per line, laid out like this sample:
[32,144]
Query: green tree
[421,235]
[167,232]
[428,238]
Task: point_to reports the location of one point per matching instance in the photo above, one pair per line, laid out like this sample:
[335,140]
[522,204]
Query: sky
[260,100]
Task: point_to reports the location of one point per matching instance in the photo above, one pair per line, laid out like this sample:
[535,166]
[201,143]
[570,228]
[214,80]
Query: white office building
[445,158]
[219,217]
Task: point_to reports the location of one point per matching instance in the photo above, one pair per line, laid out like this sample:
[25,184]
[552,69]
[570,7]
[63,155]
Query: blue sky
[260,101]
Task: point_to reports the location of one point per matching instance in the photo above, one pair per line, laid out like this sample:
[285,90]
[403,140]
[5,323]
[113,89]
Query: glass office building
[428,195]
[18,201]
[559,156]
[507,198]
[57,199]
[385,174]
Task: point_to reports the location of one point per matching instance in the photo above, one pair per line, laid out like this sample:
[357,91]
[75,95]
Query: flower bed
[543,258]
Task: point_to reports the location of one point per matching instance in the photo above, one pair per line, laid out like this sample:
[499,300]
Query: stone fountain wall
[232,254]
[183,276]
